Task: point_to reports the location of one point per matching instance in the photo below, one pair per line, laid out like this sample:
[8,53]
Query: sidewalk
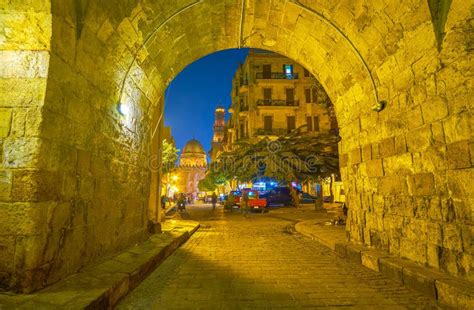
[329,235]
[102,285]
[446,289]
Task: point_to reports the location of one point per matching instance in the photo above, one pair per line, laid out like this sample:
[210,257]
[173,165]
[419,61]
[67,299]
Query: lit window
[288,70]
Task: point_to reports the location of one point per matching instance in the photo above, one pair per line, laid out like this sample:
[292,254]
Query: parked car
[237,194]
[279,196]
[307,198]
[255,201]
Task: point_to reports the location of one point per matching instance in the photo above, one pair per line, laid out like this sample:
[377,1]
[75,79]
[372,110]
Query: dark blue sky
[194,94]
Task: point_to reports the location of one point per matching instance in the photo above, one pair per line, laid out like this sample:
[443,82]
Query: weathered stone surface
[419,139]
[387,147]
[421,279]
[421,184]
[5,122]
[400,164]
[452,292]
[6,181]
[370,258]
[458,155]
[434,109]
[21,152]
[367,153]
[375,168]
[24,64]
[391,185]
[355,156]
[427,92]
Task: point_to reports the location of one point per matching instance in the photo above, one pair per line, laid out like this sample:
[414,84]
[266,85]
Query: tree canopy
[169,156]
[295,156]
[213,179]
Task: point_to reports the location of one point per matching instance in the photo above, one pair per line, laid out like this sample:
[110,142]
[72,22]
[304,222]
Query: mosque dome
[193,146]
[193,155]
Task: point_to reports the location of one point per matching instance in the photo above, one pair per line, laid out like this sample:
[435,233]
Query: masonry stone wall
[24,60]
[80,185]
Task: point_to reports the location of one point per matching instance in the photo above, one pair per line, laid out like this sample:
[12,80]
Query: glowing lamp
[123,108]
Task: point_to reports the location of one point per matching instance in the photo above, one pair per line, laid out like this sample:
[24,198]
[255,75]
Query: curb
[444,288]
[110,298]
[102,286]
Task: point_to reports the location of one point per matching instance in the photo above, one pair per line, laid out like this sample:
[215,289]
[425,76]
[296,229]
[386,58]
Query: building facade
[273,95]
[192,168]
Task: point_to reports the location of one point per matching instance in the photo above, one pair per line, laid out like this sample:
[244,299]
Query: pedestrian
[164,200]
[214,200]
[181,202]
[244,204]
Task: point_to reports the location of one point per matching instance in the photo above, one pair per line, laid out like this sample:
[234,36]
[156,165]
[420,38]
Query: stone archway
[76,150]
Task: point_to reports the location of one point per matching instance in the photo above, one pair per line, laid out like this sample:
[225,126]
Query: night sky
[194,94]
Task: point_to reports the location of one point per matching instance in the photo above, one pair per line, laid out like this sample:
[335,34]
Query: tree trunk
[294,196]
[318,205]
[331,193]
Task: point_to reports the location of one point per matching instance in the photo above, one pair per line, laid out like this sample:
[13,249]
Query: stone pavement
[237,263]
[101,285]
[446,289]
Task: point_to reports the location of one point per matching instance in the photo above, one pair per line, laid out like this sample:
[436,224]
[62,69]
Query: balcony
[243,86]
[277,76]
[277,103]
[272,132]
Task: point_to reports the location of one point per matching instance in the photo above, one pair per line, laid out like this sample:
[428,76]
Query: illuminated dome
[193,146]
[193,155]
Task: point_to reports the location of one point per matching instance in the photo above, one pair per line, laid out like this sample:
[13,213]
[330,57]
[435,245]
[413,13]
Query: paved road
[237,263]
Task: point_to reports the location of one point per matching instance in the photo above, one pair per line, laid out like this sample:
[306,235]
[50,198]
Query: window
[306,73]
[267,71]
[314,93]
[288,71]
[316,123]
[242,130]
[291,123]
[309,123]
[311,95]
[267,94]
[290,96]
[307,95]
[236,91]
[267,123]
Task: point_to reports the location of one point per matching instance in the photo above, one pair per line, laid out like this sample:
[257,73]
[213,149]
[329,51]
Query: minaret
[219,124]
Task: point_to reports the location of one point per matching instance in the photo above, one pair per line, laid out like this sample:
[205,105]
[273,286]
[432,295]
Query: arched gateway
[81,91]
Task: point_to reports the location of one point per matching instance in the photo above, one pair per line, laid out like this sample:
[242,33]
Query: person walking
[214,200]
[244,204]
[164,200]
[181,203]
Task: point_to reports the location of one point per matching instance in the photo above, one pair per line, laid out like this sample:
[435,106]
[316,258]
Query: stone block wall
[74,178]
[410,191]
[24,57]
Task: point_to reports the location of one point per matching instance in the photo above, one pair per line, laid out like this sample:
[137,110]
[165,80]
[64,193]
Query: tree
[169,154]
[213,179]
[296,156]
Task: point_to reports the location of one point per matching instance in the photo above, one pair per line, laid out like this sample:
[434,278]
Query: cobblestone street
[236,263]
